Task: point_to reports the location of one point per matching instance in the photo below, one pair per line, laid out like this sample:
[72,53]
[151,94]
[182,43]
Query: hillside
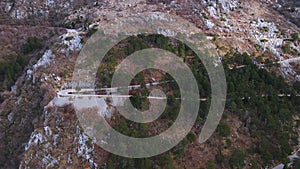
[257,43]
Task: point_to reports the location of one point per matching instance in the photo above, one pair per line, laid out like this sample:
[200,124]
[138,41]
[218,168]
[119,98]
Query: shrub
[77,88]
[295,36]
[191,137]
[165,161]
[91,32]
[237,159]
[32,44]
[204,15]
[286,48]
[264,40]
[69,38]
[11,69]
[266,29]
[210,164]
[296,163]
[224,130]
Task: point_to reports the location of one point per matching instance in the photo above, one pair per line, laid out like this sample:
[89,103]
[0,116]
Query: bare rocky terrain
[36,131]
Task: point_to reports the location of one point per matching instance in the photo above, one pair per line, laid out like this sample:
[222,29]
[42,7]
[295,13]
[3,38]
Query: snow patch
[50,3]
[49,161]
[166,32]
[48,131]
[55,138]
[29,74]
[13,88]
[10,117]
[35,139]
[209,24]
[46,59]
[18,14]
[229,5]
[8,7]
[69,159]
[266,35]
[72,40]
[159,16]
[86,149]
[213,12]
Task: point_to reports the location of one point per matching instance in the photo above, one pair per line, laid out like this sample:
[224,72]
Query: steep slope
[42,134]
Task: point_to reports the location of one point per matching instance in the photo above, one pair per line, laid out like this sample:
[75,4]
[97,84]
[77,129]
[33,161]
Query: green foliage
[172,109]
[181,49]
[237,159]
[210,165]
[136,101]
[130,163]
[77,88]
[91,31]
[11,69]
[252,94]
[51,34]
[220,157]
[123,128]
[135,43]
[257,46]
[238,58]
[296,163]
[266,29]
[224,130]
[268,63]
[296,86]
[270,115]
[178,150]
[165,161]
[223,19]
[286,48]
[191,137]
[295,36]
[228,143]
[264,40]
[69,38]
[89,143]
[204,15]
[32,44]
[144,163]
